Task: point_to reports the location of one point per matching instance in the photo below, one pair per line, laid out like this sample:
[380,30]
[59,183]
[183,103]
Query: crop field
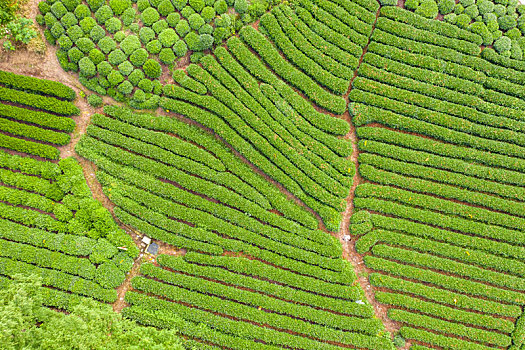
[316,174]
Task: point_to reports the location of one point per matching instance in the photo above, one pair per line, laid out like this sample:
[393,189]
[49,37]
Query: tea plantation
[317,174]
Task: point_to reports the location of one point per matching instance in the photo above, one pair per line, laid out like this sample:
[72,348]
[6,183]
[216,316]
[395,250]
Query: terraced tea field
[317,174]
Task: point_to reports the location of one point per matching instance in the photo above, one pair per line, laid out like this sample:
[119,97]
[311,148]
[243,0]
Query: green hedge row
[50,104]
[27,165]
[437,263]
[504,100]
[365,10]
[38,118]
[248,313]
[442,297]
[257,270]
[293,117]
[32,184]
[425,245]
[300,239]
[47,87]
[34,132]
[252,186]
[295,77]
[330,216]
[424,36]
[59,280]
[420,230]
[283,292]
[440,340]
[259,70]
[185,81]
[440,205]
[356,17]
[33,200]
[444,281]
[443,177]
[472,155]
[440,161]
[262,129]
[358,32]
[428,98]
[302,53]
[287,17]
[24,146]
[518,336]
[459,330]
[48,259]
[368,114]
[301,313]
[65,243]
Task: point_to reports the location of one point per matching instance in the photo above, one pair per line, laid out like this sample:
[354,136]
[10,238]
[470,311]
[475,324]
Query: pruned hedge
[30,84]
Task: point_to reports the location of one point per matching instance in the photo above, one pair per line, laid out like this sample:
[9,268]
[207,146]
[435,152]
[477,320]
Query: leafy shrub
[74,54]
[113,25]
[220,6]
[64,42]
[459,9]
[82,11]
[58,9]
[463,21]
[107,44]
[96,56]
[206,41]
[180,49]
[128,16]
[197,5]
[515,51]
[166,56]
[427,8]
[182,28]
[472,11]
[173,19]
[94,100]
[220,33]
[85,44]
[399,341]
[152,69]
[97,33]
[109,276]
[104,68]
[43,7]
[69,20]
[125,68]
[208,14]
[193,41]
[94,5]
[206,29]
[130,44]
[50,19]
[187,11]
[241,6]
[71,4]
[481,29]
[196,57]
[154,47]
[115,78]
[507,22]
[146,85]
[168,37]
[502,44]
[513,34]
[138,58]
[412,4]
[87,67]
[139,96]
[136,76]
[499,10]
[142,5]
[57,30]
[165,8]
[485,6]
[75,33]
[149,16]
[87,24]
[195,21]
[180,4]
[103,14]
[134,27]
[467,3]
[119,6]
[159,26]
[125,88]
[119,36]
[116,57]
[146,34]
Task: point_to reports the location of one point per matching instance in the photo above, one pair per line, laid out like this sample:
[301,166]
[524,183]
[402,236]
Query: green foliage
[94,100]
[152,68]
[149,16]
[113,25]
[103,14]
[119,6]
[116,57]
[507,22]
[138,57]
[107,44]
[58,9]
[197,5]
[69,20]
[87,24]
[241,6]
[472,11]
[81,11]
[182,28]
[154,47]
[502,44]
[220,6]
[130,44]
[195,21]
[427,8]
[167,56]
[87,68]
[159,26]
[125,68]
[165,8]
[168,37]
[173,19]
[97,33]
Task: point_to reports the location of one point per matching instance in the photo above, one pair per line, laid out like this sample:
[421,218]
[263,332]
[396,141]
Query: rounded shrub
[149,16]
[446,6]
[195,21]
[58,9]
[96,56]
[87,24]
[87,67]
[139,57]
[125,88]
[50,19]
[193,41]
[220,33]
[182,28]
[71,5]
[515,51]
[167,56]
[136,76]
[116,57]
[94,5]
[103,14]
[257,8]
[206,29]
[472,11]
[172,19]
[187,11]
[107,44]
[154,47]
[485,6]
[240,6]
[57,30]
[146,34]
[134,27]
[69,20]
[197,5]
[463,20]
[85,44]
[459,9]
[180,49]
[168,37]
[64,43]
[152,68]
[74,54]
[502,44]
[119,6]
[208,14]
[146,85]
[44,7]
[82,11]
[159,26]
[104,68]
[119,36]
[115,78]
[220,6]
[206,41]
[139,96]
[125,68]
[75,33]
[143,5]
[113,25]
[450,18]
[507,22]
[97,33]
[130,44]
[180,4]
[428,9]
[467,3]
[196,57]
[487,17]
[499,10]
[513,34]
[128,16]
[103,81]
[165,8]
[481,29]
[94,100]
[109,276]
